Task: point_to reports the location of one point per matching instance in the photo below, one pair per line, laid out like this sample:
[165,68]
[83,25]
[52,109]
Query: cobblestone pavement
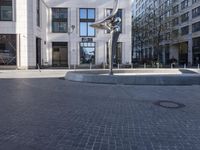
[53,114]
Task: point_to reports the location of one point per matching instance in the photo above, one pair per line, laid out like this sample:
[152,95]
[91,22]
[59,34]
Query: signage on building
[87,39]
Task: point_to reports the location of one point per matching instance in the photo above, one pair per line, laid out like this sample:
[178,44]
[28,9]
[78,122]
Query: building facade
[177,28]
[36,33]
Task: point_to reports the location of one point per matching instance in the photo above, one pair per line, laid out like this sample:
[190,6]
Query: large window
[119,14]
[7,49]
[87,52]
[196,12]
[185,30]
[175,21]
[196,27]
[195,1]
[185,17]
[5,10]
[59,20]
[175,9]
[38,13]
[184,4]
[117,54]
[87,17]
[196,51]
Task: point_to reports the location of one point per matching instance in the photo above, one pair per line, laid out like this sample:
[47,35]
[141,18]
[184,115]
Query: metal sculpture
[112,24]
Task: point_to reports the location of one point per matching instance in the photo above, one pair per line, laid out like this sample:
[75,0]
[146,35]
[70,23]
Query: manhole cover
[169,104]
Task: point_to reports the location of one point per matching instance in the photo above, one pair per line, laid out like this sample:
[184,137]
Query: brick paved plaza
[54,114]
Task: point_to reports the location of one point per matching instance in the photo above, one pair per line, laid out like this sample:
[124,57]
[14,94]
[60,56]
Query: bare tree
[154,26]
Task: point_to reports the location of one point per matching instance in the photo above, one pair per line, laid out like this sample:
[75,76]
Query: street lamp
[70,31]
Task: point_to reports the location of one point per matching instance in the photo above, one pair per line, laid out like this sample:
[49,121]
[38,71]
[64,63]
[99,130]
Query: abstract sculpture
[112,24]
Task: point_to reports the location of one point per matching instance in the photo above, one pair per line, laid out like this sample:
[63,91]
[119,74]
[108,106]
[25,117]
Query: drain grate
[169,104]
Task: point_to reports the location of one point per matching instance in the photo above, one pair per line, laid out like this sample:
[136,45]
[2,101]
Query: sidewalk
[9,74]
[55,73]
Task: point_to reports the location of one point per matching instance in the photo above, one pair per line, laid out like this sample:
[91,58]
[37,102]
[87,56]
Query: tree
[154,26]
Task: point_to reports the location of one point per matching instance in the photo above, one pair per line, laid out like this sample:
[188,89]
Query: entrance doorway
[183,53]
[60,54]
[38,53]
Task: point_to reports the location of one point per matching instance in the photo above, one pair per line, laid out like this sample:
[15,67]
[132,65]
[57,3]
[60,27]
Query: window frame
[86,20]
[59,20]
[6,3]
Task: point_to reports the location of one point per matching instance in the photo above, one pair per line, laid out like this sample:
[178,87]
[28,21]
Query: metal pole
[110,55]
[198,66]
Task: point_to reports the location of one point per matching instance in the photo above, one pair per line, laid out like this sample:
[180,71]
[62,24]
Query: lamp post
[69,32]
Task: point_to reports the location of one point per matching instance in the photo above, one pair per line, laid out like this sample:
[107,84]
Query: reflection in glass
[7,49]
[91,14]
[83,13]
[59,20]
[119,14]
[87,16]
[5,10]
[87,53]
[117,54]
[83,28]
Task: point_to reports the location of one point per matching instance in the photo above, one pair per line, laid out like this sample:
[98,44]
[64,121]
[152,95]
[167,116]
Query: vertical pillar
[18,47]
[190,52]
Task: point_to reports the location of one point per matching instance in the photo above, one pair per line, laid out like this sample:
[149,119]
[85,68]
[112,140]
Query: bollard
[131,65]
[74,66]
[104,66]
[90,66]
[69,67]
[118,65]
[185,66]
[171,66]
[145,66]
[38,67]
[158,65]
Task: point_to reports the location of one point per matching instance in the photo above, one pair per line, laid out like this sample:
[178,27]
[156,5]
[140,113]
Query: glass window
[87,52]
[38,13]
[184,4]
[175,21]
[196,12]
[175,9]
[7,49]
[87,17]
[117,54]
[59,20]
[196,51]
[185,30]
[5,10]
[185,17]
[195,1]
[196,27]
[119,14]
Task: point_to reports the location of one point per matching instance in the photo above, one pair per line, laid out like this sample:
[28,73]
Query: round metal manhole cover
[169,104]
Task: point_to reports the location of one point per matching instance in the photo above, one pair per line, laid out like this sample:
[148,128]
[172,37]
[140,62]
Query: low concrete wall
[99,76]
